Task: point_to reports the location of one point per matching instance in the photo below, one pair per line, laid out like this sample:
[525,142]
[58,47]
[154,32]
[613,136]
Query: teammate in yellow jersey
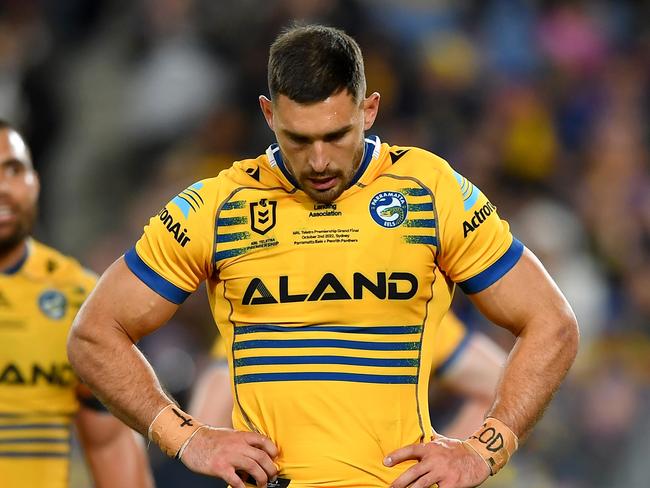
[467,363]
[329,262]
[40,397]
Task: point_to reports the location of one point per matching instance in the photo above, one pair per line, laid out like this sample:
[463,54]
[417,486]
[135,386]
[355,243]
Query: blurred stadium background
[543,104]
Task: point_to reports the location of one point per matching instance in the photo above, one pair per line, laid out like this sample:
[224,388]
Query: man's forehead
[13,147]
[319,118]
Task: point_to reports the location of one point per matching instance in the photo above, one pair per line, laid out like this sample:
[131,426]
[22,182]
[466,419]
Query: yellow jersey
[329,312]
[39,298]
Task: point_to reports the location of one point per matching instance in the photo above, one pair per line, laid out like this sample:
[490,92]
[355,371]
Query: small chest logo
[263,215]
[388,209]
[53,304]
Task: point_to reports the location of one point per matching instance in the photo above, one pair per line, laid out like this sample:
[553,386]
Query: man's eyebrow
[15,161]
[328,135]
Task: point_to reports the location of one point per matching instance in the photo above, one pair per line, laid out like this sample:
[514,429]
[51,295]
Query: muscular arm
[527,302]
[108,443]
[101,349]
[474,375]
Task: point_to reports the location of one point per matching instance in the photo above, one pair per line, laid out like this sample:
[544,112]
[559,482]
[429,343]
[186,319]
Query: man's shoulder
[47,263]
[410,157]
[250,173]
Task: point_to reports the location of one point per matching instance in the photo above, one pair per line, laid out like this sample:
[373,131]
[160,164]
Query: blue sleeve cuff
[446,364]
[492,274]
[153,280]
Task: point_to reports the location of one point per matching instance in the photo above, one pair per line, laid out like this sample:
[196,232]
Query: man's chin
[11,238]
[326,196]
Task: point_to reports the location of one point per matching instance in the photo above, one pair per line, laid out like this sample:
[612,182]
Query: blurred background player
[465,363]
[40,397]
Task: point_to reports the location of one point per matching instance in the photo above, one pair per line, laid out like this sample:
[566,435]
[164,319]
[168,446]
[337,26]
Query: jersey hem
[153,280]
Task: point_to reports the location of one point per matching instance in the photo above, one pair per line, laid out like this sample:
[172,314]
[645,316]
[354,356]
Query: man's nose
[317,158]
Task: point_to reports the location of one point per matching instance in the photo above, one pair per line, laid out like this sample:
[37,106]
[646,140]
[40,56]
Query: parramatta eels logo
[263,215]
[53,304]
[388,209]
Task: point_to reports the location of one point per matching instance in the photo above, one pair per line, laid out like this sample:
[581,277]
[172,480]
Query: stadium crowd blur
[543,105]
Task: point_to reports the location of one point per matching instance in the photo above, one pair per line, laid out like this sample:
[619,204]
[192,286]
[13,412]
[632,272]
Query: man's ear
[267,110]
[370,109]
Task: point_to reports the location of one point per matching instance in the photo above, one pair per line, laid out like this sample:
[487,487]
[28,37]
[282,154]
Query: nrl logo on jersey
[263,215]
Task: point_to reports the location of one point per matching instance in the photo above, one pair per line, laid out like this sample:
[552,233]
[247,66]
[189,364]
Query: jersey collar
[18,265]
[371,150]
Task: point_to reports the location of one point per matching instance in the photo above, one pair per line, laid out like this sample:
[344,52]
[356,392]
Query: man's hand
[232,455]
[446,461]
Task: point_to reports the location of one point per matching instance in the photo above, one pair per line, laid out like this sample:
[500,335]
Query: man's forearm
[537,364]
[117,373]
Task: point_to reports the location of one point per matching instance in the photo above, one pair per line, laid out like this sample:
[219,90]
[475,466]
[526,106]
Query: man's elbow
[568,334]
[77,346]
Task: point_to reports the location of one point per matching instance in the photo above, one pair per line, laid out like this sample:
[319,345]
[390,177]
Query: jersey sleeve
[476,246]
[451,339]
[174,253]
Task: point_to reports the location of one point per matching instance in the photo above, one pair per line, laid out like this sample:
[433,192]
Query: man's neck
[12,257]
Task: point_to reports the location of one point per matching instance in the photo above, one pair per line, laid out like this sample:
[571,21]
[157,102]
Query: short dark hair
[309,63]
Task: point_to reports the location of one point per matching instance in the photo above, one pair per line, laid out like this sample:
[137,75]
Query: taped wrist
[172,428]
[495,443]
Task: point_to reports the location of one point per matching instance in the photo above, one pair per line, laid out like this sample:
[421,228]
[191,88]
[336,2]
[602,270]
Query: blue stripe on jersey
[427,223]
[420,207]
[237,204]
[499,268]
[153,280]
[277,154]
[39,426]
[446,364]
[415,192]
[22,415]
[368,150]
[235,236]
[34,454]
[34,440]
[230,253]
[269,360]
[326,376]
[430,240]
[225,221]
[13,269]
[389,329]
[370,346]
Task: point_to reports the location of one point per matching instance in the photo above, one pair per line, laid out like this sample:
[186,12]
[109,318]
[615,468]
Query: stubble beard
[328,196]
[21,231]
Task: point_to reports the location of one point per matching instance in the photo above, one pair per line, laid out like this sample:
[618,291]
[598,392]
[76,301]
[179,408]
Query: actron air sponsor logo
[173,227]
[479,217]
[394,286]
